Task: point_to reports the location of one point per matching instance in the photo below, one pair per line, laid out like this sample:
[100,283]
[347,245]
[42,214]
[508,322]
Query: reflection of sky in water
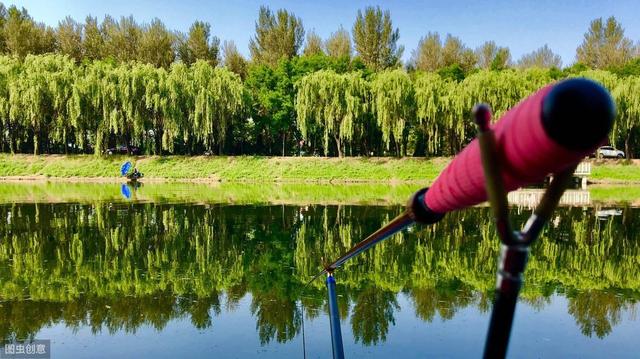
[125,267]
[550,332]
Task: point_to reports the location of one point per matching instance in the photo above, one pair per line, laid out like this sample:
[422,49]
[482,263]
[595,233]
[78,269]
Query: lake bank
[212,169]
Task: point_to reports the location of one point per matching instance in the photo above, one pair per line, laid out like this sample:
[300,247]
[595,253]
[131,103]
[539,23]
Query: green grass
[264,169]
[619,171]
[223,168]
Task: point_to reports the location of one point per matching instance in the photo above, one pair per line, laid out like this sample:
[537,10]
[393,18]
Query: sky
[523,26]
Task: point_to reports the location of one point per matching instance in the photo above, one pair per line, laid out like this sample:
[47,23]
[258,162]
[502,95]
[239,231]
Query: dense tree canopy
[605,45]
[333,104]
[156,45]
[119,82]
[198,44]
[313,45]
[69,37]
[432,54]
[393,102]
[376,41]
[51,103]
[339,44]
[233,59]
[543,57]
[278,36]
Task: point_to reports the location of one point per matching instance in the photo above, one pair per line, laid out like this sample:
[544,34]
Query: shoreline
[303,194]
[213,181]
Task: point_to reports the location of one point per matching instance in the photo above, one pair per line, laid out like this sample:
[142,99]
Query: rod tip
[578,114]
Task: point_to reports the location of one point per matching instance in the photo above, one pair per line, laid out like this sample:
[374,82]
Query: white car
[609,152]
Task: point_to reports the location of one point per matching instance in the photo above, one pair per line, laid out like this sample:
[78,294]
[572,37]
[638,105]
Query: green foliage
[199,45]
[605,45]
[433,94]
[103,95]
[278,36]
[543,57]
[156,45]
[218,99]
[393,102]
[23,36]
[233,60]
[628,101]
[121,38]
[69,37]
[55,106]
[333,103]
[313,45]
[375,38]
[339,44]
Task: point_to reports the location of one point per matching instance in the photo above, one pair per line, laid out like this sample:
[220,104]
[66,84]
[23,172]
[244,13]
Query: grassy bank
[262,169]
[231,169]
[616,172]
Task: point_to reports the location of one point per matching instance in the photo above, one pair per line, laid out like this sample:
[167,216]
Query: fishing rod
[549,132]
[412,214]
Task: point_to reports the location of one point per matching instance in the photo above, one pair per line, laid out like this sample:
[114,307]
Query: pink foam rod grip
[547,132]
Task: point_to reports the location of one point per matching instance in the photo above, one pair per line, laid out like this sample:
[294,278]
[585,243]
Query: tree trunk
[338,145]
[284,136]
[627,151]
[64,142]
[12,144]
[158,140]
[35,142]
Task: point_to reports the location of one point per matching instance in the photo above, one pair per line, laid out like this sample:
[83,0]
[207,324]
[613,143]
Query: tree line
[83,87]
[50,104]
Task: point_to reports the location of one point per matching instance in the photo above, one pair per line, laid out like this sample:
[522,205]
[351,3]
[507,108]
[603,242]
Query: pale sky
[523,26]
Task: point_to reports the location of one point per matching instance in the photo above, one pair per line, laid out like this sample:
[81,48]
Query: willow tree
[10,130]
[61,82]
[122,103]
[627,96]
[179,111]
[218,99]
[393,102]
[433,95]
[86,110]
[331,102]
[156,105]
[40,98]
[502,90]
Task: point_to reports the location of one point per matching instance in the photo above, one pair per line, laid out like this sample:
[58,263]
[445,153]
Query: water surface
[164,278]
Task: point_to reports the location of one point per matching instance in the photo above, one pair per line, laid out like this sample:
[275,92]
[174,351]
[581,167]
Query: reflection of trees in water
[23,318]
[444,299]
[117,267]
[596,311]
[372,314]
[276,317]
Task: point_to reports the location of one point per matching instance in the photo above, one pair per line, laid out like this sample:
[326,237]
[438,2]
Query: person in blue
[130,175]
